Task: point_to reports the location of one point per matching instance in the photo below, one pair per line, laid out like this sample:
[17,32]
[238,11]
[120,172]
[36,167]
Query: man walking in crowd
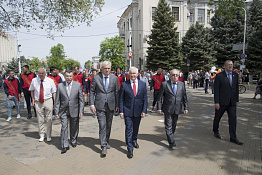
[226,98]
[207,79]
[69,107]
[12,88]
[132,106]
[26,79]
[88,86]
[80,78]
[143,78]
[174,93]
[155,85]
[53,75]
[120,76]
[43,89]
[105,87]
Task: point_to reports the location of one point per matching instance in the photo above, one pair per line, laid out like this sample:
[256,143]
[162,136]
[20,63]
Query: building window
[175,13]
[208,16]
[192,15]
[153,12]
[201,15]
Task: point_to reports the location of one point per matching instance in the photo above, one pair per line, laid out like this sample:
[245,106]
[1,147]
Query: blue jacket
[132,105]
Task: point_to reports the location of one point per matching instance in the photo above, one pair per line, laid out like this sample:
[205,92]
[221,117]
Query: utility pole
[245,28]
[18,52]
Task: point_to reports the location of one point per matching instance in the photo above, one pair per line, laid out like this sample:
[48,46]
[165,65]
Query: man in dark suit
[105,87]
[174,96]
[132,106]
[69,107]
[226,96]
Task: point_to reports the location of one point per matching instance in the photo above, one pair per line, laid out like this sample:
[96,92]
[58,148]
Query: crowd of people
[109,93]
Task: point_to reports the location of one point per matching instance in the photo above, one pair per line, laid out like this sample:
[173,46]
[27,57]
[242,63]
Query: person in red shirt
[54,76]
[120,76]
[88,86]
[155,84]
[80,78]
[12,88]
[86,90]
[26,79]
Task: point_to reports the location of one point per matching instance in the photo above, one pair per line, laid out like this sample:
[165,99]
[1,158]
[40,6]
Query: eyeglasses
[175,75]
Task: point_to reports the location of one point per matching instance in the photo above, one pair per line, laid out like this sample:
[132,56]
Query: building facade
[136,22]
[95,62]
[7,48]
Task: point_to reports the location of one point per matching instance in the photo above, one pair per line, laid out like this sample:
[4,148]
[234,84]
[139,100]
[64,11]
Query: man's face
[41,74]
[163,72]
[24,69]
[94,73]
[54,72]
[133,75]
[159,70]
[142,73]
[229,66]
[76,69]
[174,75]
[106,70]
[118,71]
[11,74]
[69,77]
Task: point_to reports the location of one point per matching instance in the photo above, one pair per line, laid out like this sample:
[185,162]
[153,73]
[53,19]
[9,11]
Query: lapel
[102,81]
[64,87]
[169,86]
[139,87]
[225,74]
[110,76]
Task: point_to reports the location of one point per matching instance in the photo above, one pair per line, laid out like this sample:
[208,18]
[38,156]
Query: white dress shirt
[105,79]
[48,84]
[69,88]
[132,84]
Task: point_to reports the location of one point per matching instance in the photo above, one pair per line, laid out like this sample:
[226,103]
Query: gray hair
[105,63]
[42,69]
[174,70]
[133,68]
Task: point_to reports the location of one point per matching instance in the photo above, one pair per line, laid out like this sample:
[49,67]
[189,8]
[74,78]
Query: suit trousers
[28,98]
[170,126]
[156,92]
[232,119]
[105,118]
[132,127]
[74,129]
[44,110]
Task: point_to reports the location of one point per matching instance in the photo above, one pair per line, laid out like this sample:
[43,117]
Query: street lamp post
[245,27]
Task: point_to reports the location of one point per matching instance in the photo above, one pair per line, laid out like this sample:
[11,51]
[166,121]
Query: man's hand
[152,91]
[92,109]
[122,116]
[57,116]
[117,110]
[22,94]
[237,103]
[83,93]
[88,94]
[80,115]
[159,111]
[186,112]
[143,115]
[217,106]
[33,102]
[10,97]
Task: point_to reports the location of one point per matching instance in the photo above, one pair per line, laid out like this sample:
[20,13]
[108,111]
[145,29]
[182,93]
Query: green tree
[196,42]
[254,51]
[57,57]
[35,64]
[13,64]
[164,48]
[226,33]
[88,64]
[49,15]
[112,49]
[69,64]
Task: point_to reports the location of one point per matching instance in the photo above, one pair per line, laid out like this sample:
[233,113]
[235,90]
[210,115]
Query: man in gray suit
[69,107]
[174,95]
[105,86]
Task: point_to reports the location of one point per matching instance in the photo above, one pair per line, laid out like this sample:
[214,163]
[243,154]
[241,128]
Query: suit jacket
[132,105]
[74,104]
[224,94]
[98,89]
[172,104]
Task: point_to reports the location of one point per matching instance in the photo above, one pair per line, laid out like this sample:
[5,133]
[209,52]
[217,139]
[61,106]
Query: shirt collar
[40,79]
[136,81]
[69,84]
[105,76]
[228,73]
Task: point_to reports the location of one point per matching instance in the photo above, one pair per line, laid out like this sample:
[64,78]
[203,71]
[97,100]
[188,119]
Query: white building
[95,62]
[7,48]
[136,22]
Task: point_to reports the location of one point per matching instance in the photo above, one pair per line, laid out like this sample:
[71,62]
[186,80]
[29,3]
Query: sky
[81,48]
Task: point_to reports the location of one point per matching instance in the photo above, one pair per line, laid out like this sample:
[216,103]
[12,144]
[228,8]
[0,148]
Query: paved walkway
[197,151]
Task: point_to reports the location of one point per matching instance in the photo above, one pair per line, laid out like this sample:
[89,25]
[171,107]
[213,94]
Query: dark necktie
[134,88]
[230,81]
[41,95]
[174,88]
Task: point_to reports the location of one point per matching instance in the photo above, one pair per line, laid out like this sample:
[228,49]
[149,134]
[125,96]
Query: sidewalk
[197,151]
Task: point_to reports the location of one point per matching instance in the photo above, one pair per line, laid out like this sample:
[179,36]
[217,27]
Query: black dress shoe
[63,151]
[73,145]
[217,135]
[236,141]
[29,116]
[171,145]
[130,154]
[135,145]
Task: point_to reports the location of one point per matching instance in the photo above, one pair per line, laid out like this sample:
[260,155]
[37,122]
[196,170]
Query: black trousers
[232,119]
[27,95]
[170,126]
[156,92]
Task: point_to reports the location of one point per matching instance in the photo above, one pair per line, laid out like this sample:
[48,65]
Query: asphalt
[197,151]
